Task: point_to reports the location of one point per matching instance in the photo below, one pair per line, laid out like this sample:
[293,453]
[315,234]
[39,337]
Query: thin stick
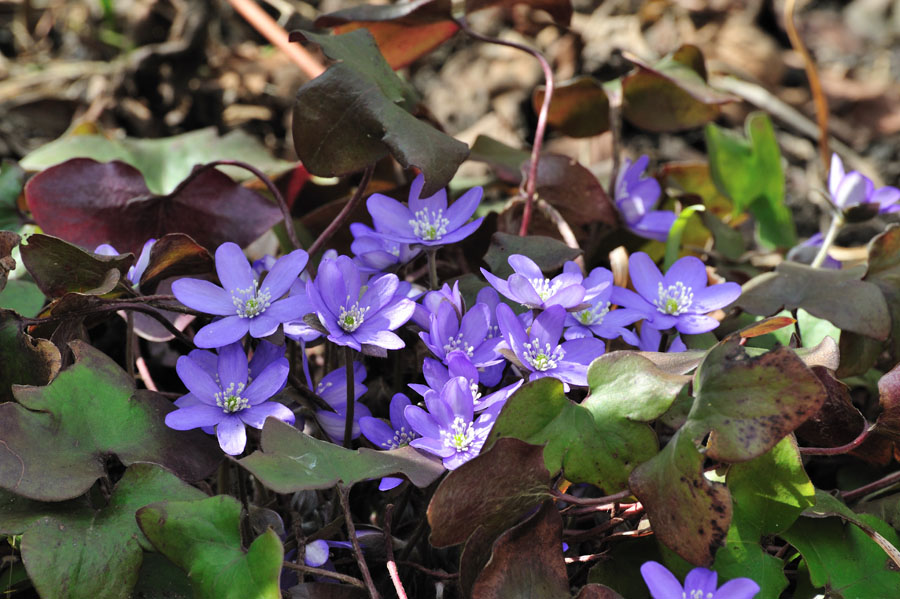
[351,396]
[342,216]
[842,449]
[541,128]
[321,572]
[275,33]
[615,498]
[431,254]
[836,222]
[877,485]
[344,493]
[273,189]
[389,549]
[815,86]
[432,573]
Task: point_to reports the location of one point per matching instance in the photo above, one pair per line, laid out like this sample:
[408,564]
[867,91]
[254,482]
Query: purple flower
[333,389]
[386,436]
[448,428]
[247,305]
[426,221]
[433,299]
[636,198]
[700,583]
[229,400]
[597,319]
[650,338]
[490,375]
[529,287]
[679,299]
[448,334]
[375,253]
[437,375]
[850,189]
[357,312]
[538,350]
[136,271]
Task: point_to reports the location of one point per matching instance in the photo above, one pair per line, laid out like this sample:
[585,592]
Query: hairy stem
[348,419]
[837,221]
[389,551]
[345,212]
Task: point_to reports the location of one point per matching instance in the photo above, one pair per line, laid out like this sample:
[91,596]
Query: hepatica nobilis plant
[658,398]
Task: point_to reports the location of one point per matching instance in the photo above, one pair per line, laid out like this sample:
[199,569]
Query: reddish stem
[841,449]
[344,214]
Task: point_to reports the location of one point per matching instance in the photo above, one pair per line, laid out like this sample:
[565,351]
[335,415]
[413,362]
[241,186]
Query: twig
[877,485]
[591,501]
[344,493]
[565,231]
[112,306]
[842,449]
[272,31]
[273,189]
[541,128]
[389,550]
[432,573]
[320,572]
[815,86]
[342,216]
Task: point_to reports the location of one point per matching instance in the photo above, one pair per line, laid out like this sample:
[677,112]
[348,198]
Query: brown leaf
[578,108]
[838,421]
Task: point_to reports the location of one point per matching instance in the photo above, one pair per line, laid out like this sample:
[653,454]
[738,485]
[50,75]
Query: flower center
[349,320]
[696,594]
[460,435]
[545,288]
[250,302]
[458,344]
[401,438]
[674,300]
[230,400]
[546,358]
[429,227]
[593,315]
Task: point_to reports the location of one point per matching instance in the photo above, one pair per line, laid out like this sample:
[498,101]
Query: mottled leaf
[863,308]
[688,513]
[79,551]
[58,267]
[549,254]
[403,32]
[357,112]
[838,421]
[203,538]
[527,561]
[579,107]
[88,203]
[166,161]
[292,461]
[26,361]
[55,441]
[670,95]
[751,403]
[463,502]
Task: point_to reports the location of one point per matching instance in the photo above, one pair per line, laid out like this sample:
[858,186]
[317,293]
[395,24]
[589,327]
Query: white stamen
[545,288]
[460,435]
[230,400]
[674,300]
[429,227]
[349,320]
[696,594]
[401,438]
[250,302]
[593,315]
[458,343]
[546,358]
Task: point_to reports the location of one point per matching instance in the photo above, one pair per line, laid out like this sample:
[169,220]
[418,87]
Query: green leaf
[589,442]
[749,172]
[505,160]
[672,94]
[165,162]
[12,179]
[23,297]
[768,494]
[625,384]
[751,403]
[812,329]
[292,461]
[688,513]
[548,253]
[203,538]
[673,242]
[622,571]
[843,560]
[72,550]
[863,308]
[26,361]
[357,112]
[462,502]
[56,440]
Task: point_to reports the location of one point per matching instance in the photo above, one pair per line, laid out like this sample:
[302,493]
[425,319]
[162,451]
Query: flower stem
[432,268]
[348,422]
[879,484]
[344,493]
[663,342]
[345,212]
[541,128]
[389,551]
[837,221]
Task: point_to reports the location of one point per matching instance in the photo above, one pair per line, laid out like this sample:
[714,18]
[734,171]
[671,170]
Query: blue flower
[539,351]
[447,334]
[386,436]
[680,299]
[427,222]
[437,375]
[700,583]
[228,400]
[355,311]
[849,189]
[376,253]
[431,300]
[597,319]
[246,304]
[136,271]
[636,198]
[529,287]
